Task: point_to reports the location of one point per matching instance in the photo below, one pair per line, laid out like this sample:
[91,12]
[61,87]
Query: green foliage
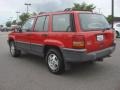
[34,14]
[83,7]
[1,25]
[19,23]
[14,22]
[8,23]
[109,18]
[23,17]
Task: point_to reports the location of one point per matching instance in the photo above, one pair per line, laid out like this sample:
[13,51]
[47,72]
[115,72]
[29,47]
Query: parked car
[64,37]
[5,29]
[117,29]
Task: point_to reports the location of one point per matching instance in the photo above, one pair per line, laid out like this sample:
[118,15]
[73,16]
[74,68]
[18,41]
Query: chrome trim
[85,50]
[77,50]
[29,43]
[37,44]
[22,42]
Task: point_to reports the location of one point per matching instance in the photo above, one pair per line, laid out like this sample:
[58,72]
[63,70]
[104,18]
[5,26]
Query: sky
[8,8]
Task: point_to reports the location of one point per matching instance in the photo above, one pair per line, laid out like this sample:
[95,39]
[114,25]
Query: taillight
[114,34]
[78,42]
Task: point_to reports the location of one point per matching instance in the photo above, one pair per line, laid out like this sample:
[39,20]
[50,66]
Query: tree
[23,17]
[19,23]
[109,18]
[1,25]
[83,7]
[14,22]
[34,14]
[8,23]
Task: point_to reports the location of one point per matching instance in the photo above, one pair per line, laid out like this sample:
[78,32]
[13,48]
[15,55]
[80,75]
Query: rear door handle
[45,35]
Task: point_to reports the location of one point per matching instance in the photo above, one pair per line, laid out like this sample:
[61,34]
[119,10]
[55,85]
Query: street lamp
[27,4]
[112,13]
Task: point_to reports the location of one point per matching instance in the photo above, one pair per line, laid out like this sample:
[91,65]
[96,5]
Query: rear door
[96,30]
[62,29]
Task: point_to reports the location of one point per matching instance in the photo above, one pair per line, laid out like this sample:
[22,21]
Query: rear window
[93,22]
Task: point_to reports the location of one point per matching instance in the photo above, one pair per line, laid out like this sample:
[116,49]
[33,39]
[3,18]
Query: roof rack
[68,9]
[42,13]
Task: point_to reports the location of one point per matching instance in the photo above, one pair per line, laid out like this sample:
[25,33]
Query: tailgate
[97,40]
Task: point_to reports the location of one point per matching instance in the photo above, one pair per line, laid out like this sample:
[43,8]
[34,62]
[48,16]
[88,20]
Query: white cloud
[8,8]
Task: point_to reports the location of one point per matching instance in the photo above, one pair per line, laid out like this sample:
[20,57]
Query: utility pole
[17,15]
[27,4]
[112,13]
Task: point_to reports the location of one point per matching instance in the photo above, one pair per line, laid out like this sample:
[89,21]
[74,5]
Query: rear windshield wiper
[104,29]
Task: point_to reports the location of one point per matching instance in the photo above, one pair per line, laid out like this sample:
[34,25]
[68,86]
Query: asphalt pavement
[29,72]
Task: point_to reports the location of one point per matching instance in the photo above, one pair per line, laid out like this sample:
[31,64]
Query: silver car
[117,29]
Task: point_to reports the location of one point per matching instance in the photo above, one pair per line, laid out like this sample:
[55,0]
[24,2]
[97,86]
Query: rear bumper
[73,55]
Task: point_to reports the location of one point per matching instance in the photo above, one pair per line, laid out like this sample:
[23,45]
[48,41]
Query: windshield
[93,22]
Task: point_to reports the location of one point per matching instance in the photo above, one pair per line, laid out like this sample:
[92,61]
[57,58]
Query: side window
[46,23]
[28,25]
[42,24]
[61,23]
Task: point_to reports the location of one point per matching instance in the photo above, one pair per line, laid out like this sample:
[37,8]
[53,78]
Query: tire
[13,51]
[117,34]
[55,62]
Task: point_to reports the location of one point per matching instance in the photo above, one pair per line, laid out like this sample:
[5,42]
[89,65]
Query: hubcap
[53,62]
[12,49]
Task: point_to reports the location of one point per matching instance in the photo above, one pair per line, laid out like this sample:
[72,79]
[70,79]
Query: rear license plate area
[100,38]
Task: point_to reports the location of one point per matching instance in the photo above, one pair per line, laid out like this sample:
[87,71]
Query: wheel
[55,61]
[13,51]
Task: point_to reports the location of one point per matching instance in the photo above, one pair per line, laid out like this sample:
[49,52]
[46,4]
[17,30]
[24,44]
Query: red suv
[64,37]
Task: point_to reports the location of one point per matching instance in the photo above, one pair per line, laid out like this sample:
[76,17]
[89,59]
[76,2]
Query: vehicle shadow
[85,68]
[33,59]
[77,69]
